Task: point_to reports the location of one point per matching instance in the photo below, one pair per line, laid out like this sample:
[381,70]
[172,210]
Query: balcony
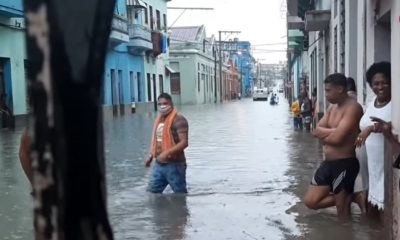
[295,22]
[317,20]
[140,39]
[119,30]
[11,8]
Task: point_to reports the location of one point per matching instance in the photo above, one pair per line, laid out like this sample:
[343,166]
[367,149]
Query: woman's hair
[351,84]
[380,67]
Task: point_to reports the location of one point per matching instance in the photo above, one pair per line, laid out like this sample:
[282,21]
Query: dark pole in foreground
[66,43]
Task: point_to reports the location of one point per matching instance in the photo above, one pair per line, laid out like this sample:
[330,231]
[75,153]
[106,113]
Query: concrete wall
[120,59]
[351,39]
[12,46]
[190,66]
[395,59]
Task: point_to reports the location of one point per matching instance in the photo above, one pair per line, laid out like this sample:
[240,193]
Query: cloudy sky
[261,22]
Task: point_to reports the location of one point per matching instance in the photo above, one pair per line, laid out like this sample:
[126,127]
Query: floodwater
[247,172]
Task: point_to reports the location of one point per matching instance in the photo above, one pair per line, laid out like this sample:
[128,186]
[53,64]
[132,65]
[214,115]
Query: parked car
[260,94]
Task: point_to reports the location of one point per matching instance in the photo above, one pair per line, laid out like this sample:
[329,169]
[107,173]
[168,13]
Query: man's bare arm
[322,130]
[350,120]
[181,145]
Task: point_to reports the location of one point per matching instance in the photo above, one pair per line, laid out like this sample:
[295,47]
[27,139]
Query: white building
[348,36]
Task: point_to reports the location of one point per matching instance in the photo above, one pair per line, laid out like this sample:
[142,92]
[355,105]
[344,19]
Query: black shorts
[338,174]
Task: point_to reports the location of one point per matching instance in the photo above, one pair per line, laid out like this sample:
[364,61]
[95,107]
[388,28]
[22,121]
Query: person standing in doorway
[379,79]
[333,182]
[169,140]
[351,88]
[361,183]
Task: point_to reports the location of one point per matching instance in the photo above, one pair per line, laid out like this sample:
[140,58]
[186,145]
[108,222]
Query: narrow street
[247,172]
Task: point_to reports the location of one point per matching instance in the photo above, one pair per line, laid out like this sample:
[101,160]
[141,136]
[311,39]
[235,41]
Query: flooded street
[247,171]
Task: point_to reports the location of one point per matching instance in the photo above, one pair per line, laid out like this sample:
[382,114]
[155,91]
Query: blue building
[136,62]
[12,60]
[240,52]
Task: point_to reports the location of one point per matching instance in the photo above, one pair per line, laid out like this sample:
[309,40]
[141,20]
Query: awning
[295,33]
[138,4]
[170,70]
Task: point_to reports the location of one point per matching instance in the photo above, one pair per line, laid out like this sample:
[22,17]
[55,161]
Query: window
[165,22]
[146,16]
[148,87]
[175,83]
[207,83]
[158,16]
[132,81]
[151,18]
[161,79]
[198,82]
[114,98]
[120,87]
[342,35]
[139,89]
[154,87]
[335,49]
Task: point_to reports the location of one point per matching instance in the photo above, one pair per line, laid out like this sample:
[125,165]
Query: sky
[262,22]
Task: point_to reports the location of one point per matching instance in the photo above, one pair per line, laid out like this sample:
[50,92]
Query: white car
[260,94]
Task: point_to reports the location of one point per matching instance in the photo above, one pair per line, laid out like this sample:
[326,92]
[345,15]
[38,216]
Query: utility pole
[220,57]
[215,74]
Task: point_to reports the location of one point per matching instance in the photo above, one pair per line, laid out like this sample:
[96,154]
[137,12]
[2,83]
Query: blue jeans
[298,122]
[172,173]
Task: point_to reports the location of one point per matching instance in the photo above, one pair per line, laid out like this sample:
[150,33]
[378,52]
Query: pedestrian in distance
[333,182]
[306,109]
[169,140]
[297,120]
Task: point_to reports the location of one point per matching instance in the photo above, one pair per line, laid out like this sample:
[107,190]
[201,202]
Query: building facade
[240,51]
[136,60]
[348,36]
[193,58]
[13,58]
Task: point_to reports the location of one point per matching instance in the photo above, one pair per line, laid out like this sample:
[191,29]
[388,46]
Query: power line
[230,42]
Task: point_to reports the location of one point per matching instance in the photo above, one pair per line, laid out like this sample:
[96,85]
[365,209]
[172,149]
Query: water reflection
[170,215]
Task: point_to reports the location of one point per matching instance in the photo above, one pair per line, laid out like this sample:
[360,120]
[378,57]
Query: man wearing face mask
[169,140]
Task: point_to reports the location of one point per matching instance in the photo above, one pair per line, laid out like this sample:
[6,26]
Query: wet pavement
[247,171]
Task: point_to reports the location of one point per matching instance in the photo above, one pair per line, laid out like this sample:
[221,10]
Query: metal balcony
[119,30]
[140,39]
[317,20]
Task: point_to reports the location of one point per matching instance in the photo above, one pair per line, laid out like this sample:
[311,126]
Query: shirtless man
[333,182]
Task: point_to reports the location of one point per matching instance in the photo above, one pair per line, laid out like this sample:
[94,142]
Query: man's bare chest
[335,117]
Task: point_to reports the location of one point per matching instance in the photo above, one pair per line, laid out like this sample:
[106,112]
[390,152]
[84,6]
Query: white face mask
[164,109]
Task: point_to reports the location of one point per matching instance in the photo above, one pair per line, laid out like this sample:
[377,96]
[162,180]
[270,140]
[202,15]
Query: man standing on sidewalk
[333,182]
[169,140]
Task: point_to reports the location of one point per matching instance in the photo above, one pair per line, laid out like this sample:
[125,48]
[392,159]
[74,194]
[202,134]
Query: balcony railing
[119,30]
[140,38]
